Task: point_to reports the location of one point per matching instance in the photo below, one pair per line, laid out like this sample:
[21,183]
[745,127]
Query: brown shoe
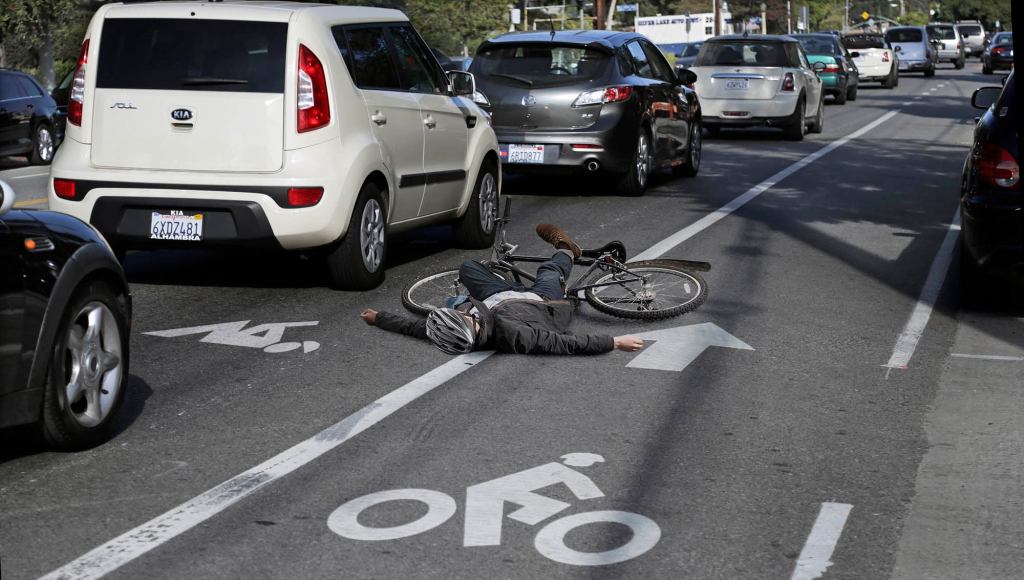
[557,237]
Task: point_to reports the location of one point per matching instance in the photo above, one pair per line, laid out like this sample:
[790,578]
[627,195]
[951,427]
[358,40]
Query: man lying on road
[509,317]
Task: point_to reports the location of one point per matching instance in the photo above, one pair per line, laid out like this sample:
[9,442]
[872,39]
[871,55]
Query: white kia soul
[283,125]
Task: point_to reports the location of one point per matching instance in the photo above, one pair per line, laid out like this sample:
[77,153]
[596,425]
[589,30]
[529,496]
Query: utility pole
[718,17]
[789,17]
[846,21]
[764,18]
[526,15]
[599,12]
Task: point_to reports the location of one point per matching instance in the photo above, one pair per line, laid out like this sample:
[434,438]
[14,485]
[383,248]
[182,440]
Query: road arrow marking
[675,348]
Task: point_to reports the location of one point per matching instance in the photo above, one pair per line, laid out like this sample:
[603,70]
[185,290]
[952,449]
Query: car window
[9,89]
[641,64]
[662,70]
[968,30]
[693,49]
[1003,39]
[898,35]
[817,45]
[942,32]
[540,64]
[417,69]
[860,41]
[676,48]
[793,55]
[28,87]
[739,53]
[372,65]
[191,55]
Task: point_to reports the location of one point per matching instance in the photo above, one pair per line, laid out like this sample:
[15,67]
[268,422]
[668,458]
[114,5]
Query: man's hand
[369,316]
[628,343]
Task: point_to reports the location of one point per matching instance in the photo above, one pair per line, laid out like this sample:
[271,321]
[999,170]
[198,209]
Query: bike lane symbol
[485,507]
[263,336]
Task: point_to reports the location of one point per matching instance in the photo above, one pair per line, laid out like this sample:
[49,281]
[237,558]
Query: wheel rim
[371,235]
[94,364]
[488,202]
[44,146]
[661,289]
[803,119]
[430,292]
[695,145]
[643,160]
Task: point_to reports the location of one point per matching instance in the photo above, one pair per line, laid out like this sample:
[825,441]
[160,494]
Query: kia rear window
[942,32]
[742,54]
[970,30]
[858,42]
[903,35]
[192,55]
[539,65]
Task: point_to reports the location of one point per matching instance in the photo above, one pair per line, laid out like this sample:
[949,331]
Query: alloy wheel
[695,145]
[643,160]
[44,144]
[94,363]
[371,235]
[488,202]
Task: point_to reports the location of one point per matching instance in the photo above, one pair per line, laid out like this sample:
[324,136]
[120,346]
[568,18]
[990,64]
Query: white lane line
[136,542]
[925,93]
[932,90]
[989,357]
[816,556]
[12,178]
[911,335]
[707,221]
[940,85]
[907,103]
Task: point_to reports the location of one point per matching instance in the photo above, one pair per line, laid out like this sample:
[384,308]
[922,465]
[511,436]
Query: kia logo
[181,114]
[529,101]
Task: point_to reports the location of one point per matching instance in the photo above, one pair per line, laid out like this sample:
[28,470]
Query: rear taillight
[832,67]
[885,57]
[608,95]
[312,108]
[64,188]
[788,82]
[996,166]
[304,196]
[998,50]
[76,100]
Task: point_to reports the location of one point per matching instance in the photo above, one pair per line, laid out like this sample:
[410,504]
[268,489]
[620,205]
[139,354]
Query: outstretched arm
[534,341]
[415,327]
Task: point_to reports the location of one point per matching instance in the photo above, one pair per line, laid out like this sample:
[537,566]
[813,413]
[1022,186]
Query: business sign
[627,7]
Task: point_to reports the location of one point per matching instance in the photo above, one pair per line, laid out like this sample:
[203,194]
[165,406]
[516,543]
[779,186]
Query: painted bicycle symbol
[485,512]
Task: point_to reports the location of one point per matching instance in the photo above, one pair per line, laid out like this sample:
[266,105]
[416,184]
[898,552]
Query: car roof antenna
[551,23]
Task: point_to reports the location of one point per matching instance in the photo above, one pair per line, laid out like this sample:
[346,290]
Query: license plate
[176,225]
[525,153]
[736,85]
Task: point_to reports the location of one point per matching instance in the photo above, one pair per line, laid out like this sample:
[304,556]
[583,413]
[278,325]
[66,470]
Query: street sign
[517,16]
[864,15]
[627,7]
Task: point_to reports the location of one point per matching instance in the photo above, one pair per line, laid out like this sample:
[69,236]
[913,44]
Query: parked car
[751,81]
[915,52]
[874,58]
[998,54]
[29,122]
[594,100]
[65,314]
[684,52]
[991,204]
[840,78]
[298,126]
[973,34]
[951,46]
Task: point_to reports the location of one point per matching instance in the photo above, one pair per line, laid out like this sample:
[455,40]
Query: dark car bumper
[1000,62]
[914,65]
[993,234]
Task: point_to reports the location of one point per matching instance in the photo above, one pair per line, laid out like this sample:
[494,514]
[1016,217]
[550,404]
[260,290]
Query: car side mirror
[898,49]
[463,84]
[818,67]
[7,197]
[686,76]
[984,97]
[855,54]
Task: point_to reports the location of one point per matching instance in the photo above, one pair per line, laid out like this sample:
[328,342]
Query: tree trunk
[46,73]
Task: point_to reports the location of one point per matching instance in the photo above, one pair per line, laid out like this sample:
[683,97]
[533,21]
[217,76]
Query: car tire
[797,127]
[985,70]
[930,71]
[634,182]
[43,145]
[959,64]
[818,124]
[841,97]
[713,131]
[357,261]
[476,228]
[851,93]
[90,358]
[691,164]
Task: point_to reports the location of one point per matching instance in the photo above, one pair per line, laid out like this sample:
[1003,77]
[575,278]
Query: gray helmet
[450,331]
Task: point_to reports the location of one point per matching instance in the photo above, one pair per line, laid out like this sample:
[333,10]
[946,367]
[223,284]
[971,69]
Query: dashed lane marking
[821,542]
[996,357]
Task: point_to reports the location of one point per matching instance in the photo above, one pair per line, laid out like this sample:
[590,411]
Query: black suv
[29,122]
[589,100]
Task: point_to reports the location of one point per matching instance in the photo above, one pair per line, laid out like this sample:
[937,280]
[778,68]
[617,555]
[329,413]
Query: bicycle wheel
[430,292]
[658,290]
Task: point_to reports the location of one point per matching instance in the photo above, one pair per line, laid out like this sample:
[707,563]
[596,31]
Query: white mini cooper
[282,125]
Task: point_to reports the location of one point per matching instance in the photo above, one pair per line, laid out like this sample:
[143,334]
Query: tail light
[789,82]
[313,108]
[608,95]
[76,100]
[958,46]
[998,50]
[64,188]
[832,67]
[885,57]
[304,196]
[996,166]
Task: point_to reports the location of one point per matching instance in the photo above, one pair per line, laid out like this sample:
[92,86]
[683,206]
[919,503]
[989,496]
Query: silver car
[973,34]
[914,51]
[951,48]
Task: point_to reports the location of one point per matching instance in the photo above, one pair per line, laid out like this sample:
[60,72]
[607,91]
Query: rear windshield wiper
[523,80]
[196,81]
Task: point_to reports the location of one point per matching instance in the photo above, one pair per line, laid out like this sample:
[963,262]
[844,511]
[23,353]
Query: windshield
[739,53]
[540,64]
[903,35]
[942,32]
[817,44]
[692,49]
[1003,39]
[860,41]
[968,30]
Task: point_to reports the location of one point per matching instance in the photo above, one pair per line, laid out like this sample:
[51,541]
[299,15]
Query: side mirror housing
[855,54]
[686,76]
[818,67]
[7,197]
[463,84]
[984,97]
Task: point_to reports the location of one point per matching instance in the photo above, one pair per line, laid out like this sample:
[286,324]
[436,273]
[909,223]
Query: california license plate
[525,153]
[736,85]
[176,225]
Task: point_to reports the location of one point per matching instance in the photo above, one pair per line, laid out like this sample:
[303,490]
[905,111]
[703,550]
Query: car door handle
[379,118]
[429,122]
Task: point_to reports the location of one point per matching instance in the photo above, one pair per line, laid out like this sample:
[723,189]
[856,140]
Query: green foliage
[987,11]
[915,18]
[451,25]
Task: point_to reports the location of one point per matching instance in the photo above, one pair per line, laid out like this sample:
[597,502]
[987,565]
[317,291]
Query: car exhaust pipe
[593,165]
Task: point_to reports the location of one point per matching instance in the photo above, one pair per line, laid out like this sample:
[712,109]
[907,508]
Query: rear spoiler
[593,45]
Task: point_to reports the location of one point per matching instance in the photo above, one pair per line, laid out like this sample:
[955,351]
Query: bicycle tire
[428,292]
[604,299]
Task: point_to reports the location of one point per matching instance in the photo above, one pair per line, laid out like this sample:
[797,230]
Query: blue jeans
[483,283]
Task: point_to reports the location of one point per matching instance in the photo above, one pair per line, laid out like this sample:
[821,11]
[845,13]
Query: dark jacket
[517,326]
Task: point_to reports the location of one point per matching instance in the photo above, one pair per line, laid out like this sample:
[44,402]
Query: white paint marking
[906,344]
[816,556]
[265,336]
[989,357]
[134,543]
[932,90]
[707,221]
[925,93]
[907,103]
[344,521]
[940,85]
[27,176]
[550,540]
[675,348]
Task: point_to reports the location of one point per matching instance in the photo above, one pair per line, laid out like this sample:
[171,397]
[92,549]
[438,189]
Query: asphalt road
[730,461]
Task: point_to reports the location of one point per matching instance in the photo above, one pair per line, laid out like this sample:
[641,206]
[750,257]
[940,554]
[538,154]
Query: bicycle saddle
[617,249]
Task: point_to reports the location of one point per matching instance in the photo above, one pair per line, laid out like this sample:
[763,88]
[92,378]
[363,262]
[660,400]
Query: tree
[455,26]
[34,25]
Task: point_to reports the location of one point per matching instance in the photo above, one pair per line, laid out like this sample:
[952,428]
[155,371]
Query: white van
[282,125]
